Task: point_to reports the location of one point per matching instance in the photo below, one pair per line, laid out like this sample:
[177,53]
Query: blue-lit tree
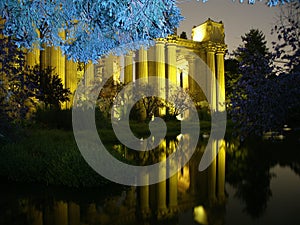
[93,27]
[287,56]
[287,29]
[254,101]
[268,96]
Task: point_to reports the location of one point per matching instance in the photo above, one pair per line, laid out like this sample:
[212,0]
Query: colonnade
[53,57]
[204,62]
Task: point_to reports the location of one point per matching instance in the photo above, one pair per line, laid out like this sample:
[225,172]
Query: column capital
[171,43]
[129,53]
[220,49]
[211,48]
[160,41]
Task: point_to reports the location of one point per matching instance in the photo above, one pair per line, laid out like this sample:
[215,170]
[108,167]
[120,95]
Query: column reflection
[189,195]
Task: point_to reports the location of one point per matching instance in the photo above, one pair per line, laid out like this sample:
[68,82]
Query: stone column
[109,66]
[211,77]
[128,64]
[130,200]
[221,169]
[203,188]
[71,79]
[212,170]
[128,78]
[171,60]
[161,186]
[48,215]
[151,61]
[220,80]
[91,213]
[142,73]
[192,85]
[74,213]
[203,70]
[142,64]
[144,196]
[36,215]
[60,213]
[58,61]
[160,71]
[171,70]
[193,177]
[45,56]
[173,181]
[89,74]
[173,192]
[33,57]
[116,69]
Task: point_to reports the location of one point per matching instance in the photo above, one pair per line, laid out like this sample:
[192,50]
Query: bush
[54,119]
[48,157]
[204,114]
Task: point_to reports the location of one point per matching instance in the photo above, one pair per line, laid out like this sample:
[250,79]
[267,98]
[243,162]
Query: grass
[49,155]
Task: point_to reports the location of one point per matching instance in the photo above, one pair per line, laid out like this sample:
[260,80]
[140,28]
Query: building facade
[174,58]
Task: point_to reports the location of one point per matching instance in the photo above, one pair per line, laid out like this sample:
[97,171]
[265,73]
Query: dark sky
[238,18]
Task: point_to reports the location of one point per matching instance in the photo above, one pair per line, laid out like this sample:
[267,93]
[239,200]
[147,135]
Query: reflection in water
[189,195]
[249,170]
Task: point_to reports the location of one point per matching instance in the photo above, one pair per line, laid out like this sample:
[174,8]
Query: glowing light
[198,34]
[200,215]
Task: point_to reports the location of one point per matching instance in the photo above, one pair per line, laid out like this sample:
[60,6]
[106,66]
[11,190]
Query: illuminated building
[207,42]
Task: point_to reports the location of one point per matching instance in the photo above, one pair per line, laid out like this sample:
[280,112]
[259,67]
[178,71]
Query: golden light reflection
[200,215]
[184,179]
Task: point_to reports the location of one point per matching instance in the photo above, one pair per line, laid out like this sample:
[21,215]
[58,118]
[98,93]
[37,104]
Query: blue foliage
[287,48]
[265,98]
[269,2]
[93,27]
[252,109]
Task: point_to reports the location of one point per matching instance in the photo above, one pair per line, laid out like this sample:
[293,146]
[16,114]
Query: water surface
[248,183]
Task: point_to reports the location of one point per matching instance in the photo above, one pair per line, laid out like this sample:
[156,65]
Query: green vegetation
[47,156]
[46,152]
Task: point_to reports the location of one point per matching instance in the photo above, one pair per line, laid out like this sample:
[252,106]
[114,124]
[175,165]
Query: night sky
[238,18]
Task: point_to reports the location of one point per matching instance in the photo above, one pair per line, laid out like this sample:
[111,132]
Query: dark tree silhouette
[232,76]
[183,35]
[255,106]
[17,90]
[49,87]
[287,29]
[287,56]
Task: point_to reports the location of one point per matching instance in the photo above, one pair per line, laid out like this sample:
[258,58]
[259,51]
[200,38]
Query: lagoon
[262,186]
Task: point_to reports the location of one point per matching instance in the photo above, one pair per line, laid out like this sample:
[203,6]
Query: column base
[173,209]
[212,200]
[162,213]
[222,198]
[146,213]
